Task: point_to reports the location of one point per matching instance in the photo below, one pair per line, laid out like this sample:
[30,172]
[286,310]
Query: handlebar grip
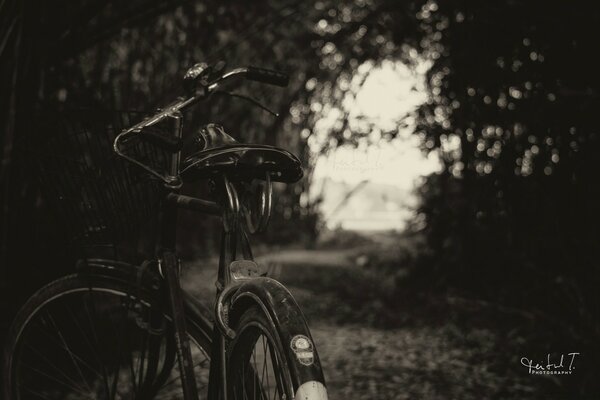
[267,76]
[167,143]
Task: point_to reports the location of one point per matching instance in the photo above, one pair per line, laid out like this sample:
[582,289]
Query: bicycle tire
[259,336]
[41,362]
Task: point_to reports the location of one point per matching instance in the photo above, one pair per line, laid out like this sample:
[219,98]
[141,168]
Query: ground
[362,360]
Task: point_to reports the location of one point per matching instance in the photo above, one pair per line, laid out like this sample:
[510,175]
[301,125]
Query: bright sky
[390,167]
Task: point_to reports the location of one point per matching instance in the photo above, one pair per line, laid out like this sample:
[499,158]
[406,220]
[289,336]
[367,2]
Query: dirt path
[362,362]
[416,363]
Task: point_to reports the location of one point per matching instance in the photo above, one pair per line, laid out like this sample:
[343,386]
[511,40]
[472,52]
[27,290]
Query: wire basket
[101,198]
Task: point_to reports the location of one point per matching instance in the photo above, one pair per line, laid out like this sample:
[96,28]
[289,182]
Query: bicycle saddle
[220,153]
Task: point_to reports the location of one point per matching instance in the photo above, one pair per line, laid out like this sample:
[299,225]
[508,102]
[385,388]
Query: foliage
[515,130]
[512,93]
[514,216]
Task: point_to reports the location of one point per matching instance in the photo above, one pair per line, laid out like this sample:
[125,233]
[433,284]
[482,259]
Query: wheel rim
[258,367]
[99,343]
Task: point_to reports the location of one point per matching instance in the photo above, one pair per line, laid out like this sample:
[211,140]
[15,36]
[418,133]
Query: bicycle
[118,330]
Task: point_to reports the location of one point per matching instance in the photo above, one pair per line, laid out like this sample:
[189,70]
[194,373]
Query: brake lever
[249,99]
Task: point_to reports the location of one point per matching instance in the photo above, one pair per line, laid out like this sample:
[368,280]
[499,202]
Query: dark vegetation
[513,219]
[505,236]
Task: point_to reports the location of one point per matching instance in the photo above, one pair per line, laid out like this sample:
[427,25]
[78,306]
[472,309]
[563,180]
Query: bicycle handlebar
[252,73]
[173,144]
[268,76]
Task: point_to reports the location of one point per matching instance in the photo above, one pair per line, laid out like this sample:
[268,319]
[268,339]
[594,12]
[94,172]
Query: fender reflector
[311,390]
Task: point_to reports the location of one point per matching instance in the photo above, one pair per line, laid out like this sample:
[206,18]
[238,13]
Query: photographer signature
[552,365]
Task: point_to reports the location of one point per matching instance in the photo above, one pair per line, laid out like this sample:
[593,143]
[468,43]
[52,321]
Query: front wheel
[268,361]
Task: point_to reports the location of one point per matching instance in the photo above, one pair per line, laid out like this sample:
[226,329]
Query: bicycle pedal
[246,269]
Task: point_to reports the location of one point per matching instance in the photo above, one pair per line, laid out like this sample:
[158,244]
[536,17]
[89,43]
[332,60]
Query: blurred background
[448,221]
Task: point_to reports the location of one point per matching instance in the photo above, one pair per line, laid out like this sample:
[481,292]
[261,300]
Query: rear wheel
[257,363]
[94,337]
[272,355]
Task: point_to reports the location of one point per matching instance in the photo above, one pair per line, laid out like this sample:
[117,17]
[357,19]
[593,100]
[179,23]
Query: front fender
[280,307]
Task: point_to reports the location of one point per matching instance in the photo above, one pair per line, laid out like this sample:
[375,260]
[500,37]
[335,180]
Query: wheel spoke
[175,379]
[118,335]
[254,374]
[38,394]
[61,346]
[126,334]
[73,388]
[141,360]
[264,368]
[54,367]
[94,342]
[277,367]
[92,326]
[87,341]
[244,380]
[71,354]
[258,355]
[115,381]
[267,351]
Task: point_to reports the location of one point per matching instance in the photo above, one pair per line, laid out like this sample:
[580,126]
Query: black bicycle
[119,330]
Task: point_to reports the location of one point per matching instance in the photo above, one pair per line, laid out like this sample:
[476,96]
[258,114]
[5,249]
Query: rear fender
[280,307]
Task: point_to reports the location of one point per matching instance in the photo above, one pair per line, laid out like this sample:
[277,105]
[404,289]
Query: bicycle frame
[169,266]
[233,237]
[231,285]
